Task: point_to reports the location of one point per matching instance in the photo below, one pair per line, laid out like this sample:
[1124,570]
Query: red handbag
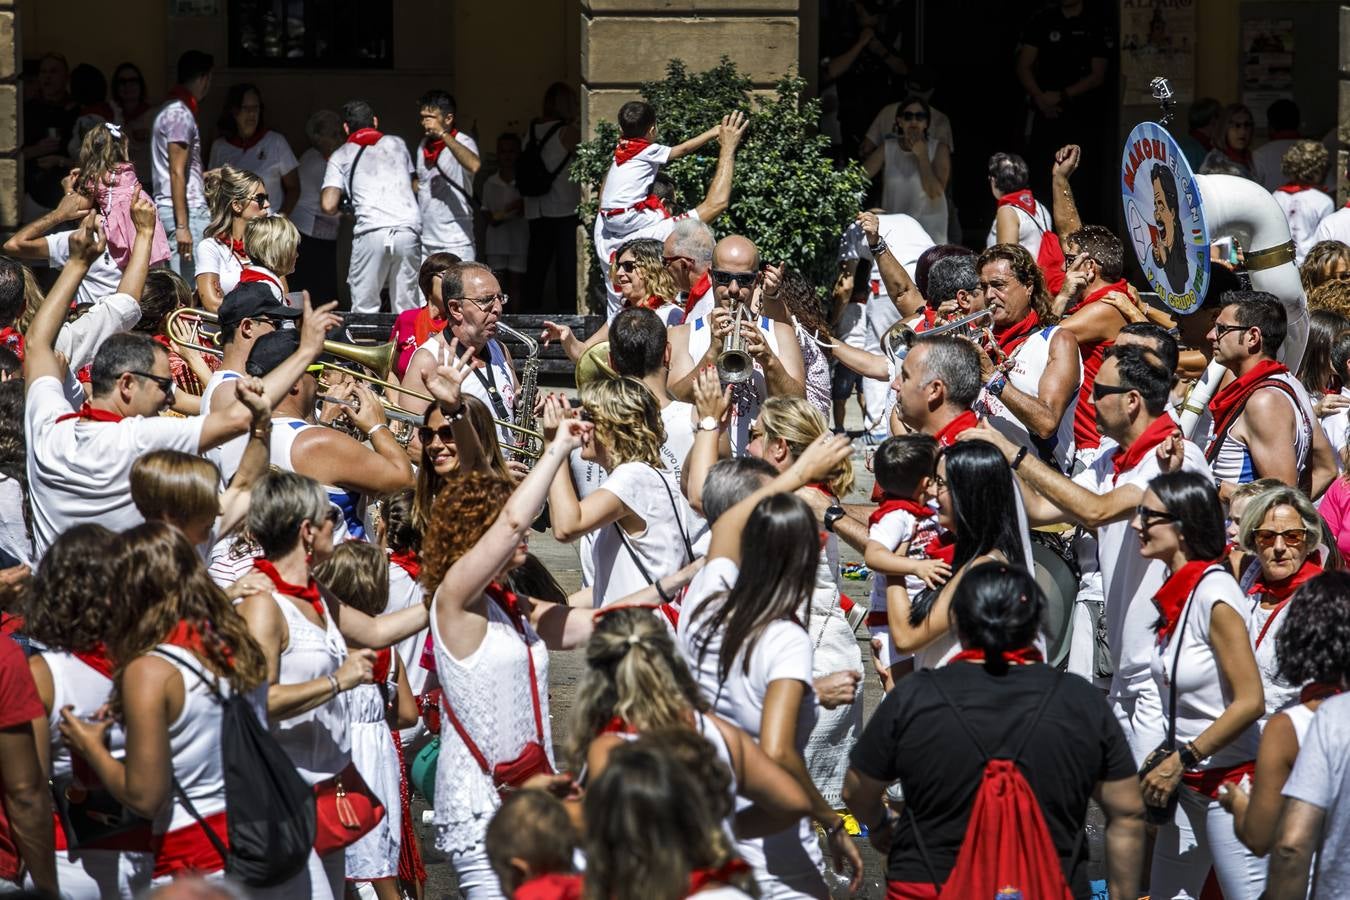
[346,810]
[510,775]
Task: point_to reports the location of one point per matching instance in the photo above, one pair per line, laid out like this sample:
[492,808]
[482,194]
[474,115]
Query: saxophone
[529,441]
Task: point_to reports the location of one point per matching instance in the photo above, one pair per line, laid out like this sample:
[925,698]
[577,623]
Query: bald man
[778,367]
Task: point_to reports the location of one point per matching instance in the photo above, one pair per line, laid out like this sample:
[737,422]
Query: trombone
[378,358]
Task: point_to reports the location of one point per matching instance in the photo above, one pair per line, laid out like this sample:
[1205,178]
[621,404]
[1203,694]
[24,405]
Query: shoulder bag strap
[351,173]
[489,383]
[1180,634]
[637,561]
[210,834]
[679,520]
[195,670]
[472,200]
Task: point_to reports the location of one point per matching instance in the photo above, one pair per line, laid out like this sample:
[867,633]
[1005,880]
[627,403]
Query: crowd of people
[239,585]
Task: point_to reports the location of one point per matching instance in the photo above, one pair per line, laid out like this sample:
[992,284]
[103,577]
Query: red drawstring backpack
[1007,851]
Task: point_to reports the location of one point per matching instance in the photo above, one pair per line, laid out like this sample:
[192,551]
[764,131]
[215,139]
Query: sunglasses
[914,117]
[446,433]
[628,265]
[1100,390]
[260,199]
[1150,517]
[724,279]
[162,382]
[1221,330]
[1294,538]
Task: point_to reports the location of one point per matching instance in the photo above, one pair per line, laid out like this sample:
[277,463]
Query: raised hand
[871,227]
[555,332]
[732,130]
[315,325]
[447,379]
[710,398]
[1066,160]
[144,215]
[88,242]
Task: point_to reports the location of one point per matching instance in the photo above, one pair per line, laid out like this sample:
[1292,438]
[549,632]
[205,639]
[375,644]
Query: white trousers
[1138,708]
[474,875]
[1199,838]
[463,249]
[385,258]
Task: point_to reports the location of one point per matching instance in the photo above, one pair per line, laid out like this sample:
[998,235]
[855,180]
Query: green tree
[787,196]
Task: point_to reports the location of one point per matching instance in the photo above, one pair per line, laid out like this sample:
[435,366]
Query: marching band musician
[474,304]
[695,345]
[348,470]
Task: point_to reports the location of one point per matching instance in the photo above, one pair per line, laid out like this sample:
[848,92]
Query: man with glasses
[688,255]
[695,345]
[474,304]
[1130,401]
[349,470]
[248,312]
[79,460]
[1263,424]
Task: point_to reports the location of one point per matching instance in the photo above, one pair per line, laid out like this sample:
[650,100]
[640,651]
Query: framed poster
[1157,37]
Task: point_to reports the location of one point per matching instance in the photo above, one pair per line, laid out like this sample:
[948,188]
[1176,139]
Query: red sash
[250,274]
[1176,590]
[364,137]
[651,201]
[628,148]
[1208,781]
[88,413]
[948,434]
[1159,430]
[1015,335]
[188,849]
[248,142]
[1084,418]
[696,293]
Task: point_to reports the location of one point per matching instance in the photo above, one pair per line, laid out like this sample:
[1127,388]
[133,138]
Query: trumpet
[734,365]
[900,338]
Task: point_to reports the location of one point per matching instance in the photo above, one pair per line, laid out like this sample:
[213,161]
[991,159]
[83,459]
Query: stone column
[11,119]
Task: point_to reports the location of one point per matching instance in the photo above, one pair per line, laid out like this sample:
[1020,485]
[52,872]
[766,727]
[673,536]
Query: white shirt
[783,652]
[14,538]
[1333,227]
[1279,693]
[510,237]
[1305,210]
[748,397]
[270,159]
[99,281]
[1202,692]
[660,545]
[447,215]
[564,195]
[175,124]
[228,455]
[307,215]
[1268,159]
[630,183]
[1319,778]
[215,257]
[1029,363]
[1335,426]
[80,471]
[902,189]
[381,187]
[78,341]
[1030,229]
[907,240]
[939,126]
[1130,580]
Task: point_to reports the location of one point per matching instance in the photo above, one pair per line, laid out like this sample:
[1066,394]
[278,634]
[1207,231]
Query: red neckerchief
[1023,657]
[1172,596]
[628,148]
[248,142]
[408,561]
[1229,401]
[88,413]
[553,886]
[364,137]
[929,319]
[12,338]
[189,637]
[1282,591]
[947,435]
[1014,336]
[1098,294]
[696,293]
[701,878]
[251,274]
[431,151]
[1297,187]
[1318,690]
[1126,458]
[1021,199]
[425,325]
[653,303]
[380,670]
[97,658]
[236,246]
[309,592]
[178,92]
[617,725]
[507,600]
[942,547]
[891,504]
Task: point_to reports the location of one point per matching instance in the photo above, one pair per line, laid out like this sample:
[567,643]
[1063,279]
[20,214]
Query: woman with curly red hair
[491,650]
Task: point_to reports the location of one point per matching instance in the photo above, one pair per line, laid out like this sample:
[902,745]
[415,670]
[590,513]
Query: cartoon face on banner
[1164,218]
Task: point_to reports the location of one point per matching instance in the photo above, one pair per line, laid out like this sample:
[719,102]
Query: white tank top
[1278,694]
[317,741]
[284,433]
[227,455]
[1234,461]
[1301,717]
[86,689]
[1030,360]
[497,372]
[747,397]
[1030,228]
[903,192]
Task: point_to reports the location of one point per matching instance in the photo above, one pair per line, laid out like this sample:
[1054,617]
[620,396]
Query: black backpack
[269,807]
[533,178]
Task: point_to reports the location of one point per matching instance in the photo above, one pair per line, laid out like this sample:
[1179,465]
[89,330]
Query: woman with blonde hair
[108,180]
[272,245]
[235,196]
[640,518]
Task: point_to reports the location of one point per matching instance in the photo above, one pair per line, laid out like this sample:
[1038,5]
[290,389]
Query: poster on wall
[1267,61]
[1157,37]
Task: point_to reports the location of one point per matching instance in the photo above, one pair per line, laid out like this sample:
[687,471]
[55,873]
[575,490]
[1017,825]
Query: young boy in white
[446,162]
[899,532]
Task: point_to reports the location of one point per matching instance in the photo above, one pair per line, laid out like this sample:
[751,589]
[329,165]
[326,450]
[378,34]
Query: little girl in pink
[108,179]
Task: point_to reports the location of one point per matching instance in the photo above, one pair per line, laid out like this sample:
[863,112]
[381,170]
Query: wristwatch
[832,515]
[879,247]
[708,423]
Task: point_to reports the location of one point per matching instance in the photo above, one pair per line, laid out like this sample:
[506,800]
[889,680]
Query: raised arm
[145,218]
[1063,209]
[86,243]
[686,147]
[234,500]
[903,291]
[29,243]
[462,154]
[572,517]
[729,134]
[711,400]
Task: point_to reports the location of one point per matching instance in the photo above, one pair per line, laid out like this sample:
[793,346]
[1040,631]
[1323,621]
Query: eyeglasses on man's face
[488,301]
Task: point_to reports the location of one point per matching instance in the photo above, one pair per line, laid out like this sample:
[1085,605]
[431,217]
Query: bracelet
[384,425]
[1190,758]
[834,829]
[332,680]
[178,228]
[261,434]
[880,247]
[997,383]
[1017,460]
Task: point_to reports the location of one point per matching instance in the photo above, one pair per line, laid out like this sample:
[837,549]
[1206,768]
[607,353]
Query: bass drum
[1057,575]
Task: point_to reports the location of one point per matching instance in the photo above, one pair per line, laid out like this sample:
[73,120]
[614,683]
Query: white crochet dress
[836,648]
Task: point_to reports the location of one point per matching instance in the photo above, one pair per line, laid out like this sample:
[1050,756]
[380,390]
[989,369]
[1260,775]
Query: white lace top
[489,690]
[317,741]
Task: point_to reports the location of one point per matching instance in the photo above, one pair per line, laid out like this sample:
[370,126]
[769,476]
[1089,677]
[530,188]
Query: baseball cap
[270,350]
[252,300]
